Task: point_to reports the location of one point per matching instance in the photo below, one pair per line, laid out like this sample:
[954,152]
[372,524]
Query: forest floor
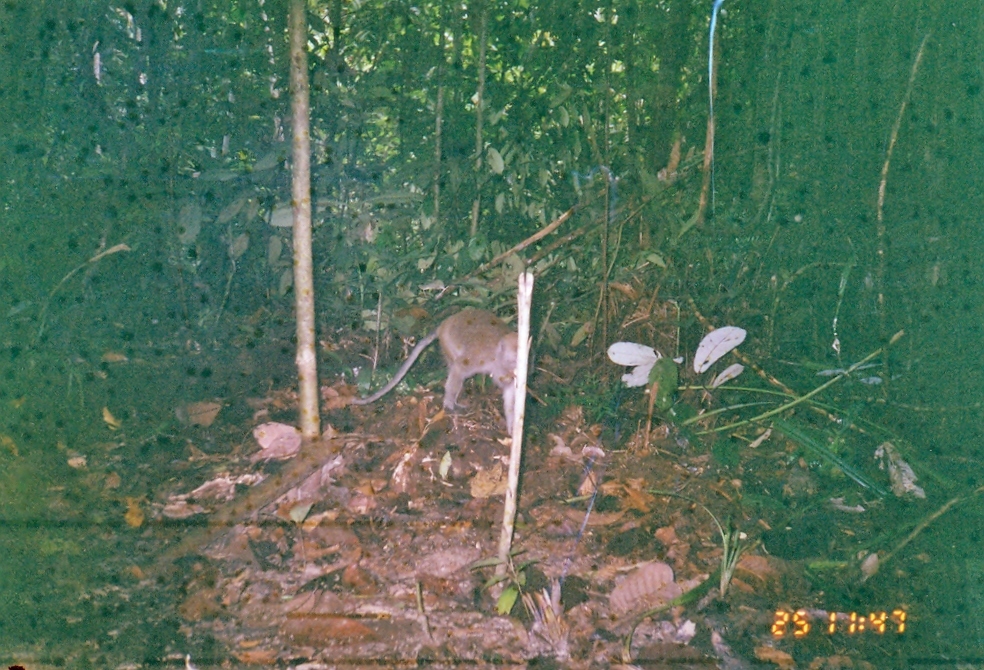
[384,554]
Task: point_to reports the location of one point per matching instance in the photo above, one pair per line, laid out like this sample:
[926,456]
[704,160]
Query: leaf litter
[371,556]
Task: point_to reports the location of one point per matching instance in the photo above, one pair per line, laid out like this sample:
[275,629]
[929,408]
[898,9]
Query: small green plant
[732,539]
[514,578]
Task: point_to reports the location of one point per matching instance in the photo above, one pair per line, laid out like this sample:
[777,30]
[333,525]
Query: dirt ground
[371,560]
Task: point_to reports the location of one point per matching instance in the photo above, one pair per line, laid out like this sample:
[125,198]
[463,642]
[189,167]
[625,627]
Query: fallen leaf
[869,566]
[278,441]
[760,439]
[78,462]
[775,656]
[639,356]
[134,516]
[114,357]
[900,473]
[762,568]
[111,421]
[727,375]
[113,481]
[596,518]
[257,656]
[223,487]
[181,509]
[298,512]
[325,629]
[198,413]
[489,482]
[715,345]
[651,585]
[8,443]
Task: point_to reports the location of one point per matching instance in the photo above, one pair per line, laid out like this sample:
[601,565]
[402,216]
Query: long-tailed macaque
[474,342]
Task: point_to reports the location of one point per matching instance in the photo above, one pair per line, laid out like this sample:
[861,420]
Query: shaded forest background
[443,134]
[190,97]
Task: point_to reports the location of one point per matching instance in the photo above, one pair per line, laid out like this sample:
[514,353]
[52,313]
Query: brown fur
[474,341]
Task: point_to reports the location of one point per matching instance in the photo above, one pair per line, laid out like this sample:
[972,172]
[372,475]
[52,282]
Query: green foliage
[663,380]
[514,577]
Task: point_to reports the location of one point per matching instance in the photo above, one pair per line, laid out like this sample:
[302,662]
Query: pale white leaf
[500,203]
[638,376]
[495,161]
[760,439]
[300,511]
[630,353]
[282,216]
[727,375]
[189,223]
[286,281]
[239,246]
[275,247]
[869,566]
[715,345]
[232,209]
[445,465]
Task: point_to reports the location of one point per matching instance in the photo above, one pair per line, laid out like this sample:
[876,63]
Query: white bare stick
[525,299]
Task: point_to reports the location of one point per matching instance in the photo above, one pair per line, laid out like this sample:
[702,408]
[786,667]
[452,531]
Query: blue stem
[710,85]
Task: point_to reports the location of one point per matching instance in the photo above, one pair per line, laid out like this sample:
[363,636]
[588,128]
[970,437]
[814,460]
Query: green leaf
[663,377]
[506,601]
[485,563]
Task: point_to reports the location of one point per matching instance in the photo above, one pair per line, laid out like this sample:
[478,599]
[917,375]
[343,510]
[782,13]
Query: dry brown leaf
[278,441]
[200,604]
[773,655]
[198,413]
[8,443]
[114,357]
[761,568]
[338,396]
[181,509]
[325,629]
[636,497]
[625,290]
[111,421]
[489,482]
[651,585]
[667,535]
[134,516]
[113,481]
[361,504]
[596,518]
[631,493]
[257,656]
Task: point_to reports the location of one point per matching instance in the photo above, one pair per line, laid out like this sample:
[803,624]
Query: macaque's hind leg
[452,388]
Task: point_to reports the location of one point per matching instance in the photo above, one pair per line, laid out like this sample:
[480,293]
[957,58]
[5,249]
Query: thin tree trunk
[307,363]
[479,105]
[438,125]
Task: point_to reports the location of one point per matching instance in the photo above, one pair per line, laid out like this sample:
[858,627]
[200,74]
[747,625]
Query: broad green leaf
[507,600]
